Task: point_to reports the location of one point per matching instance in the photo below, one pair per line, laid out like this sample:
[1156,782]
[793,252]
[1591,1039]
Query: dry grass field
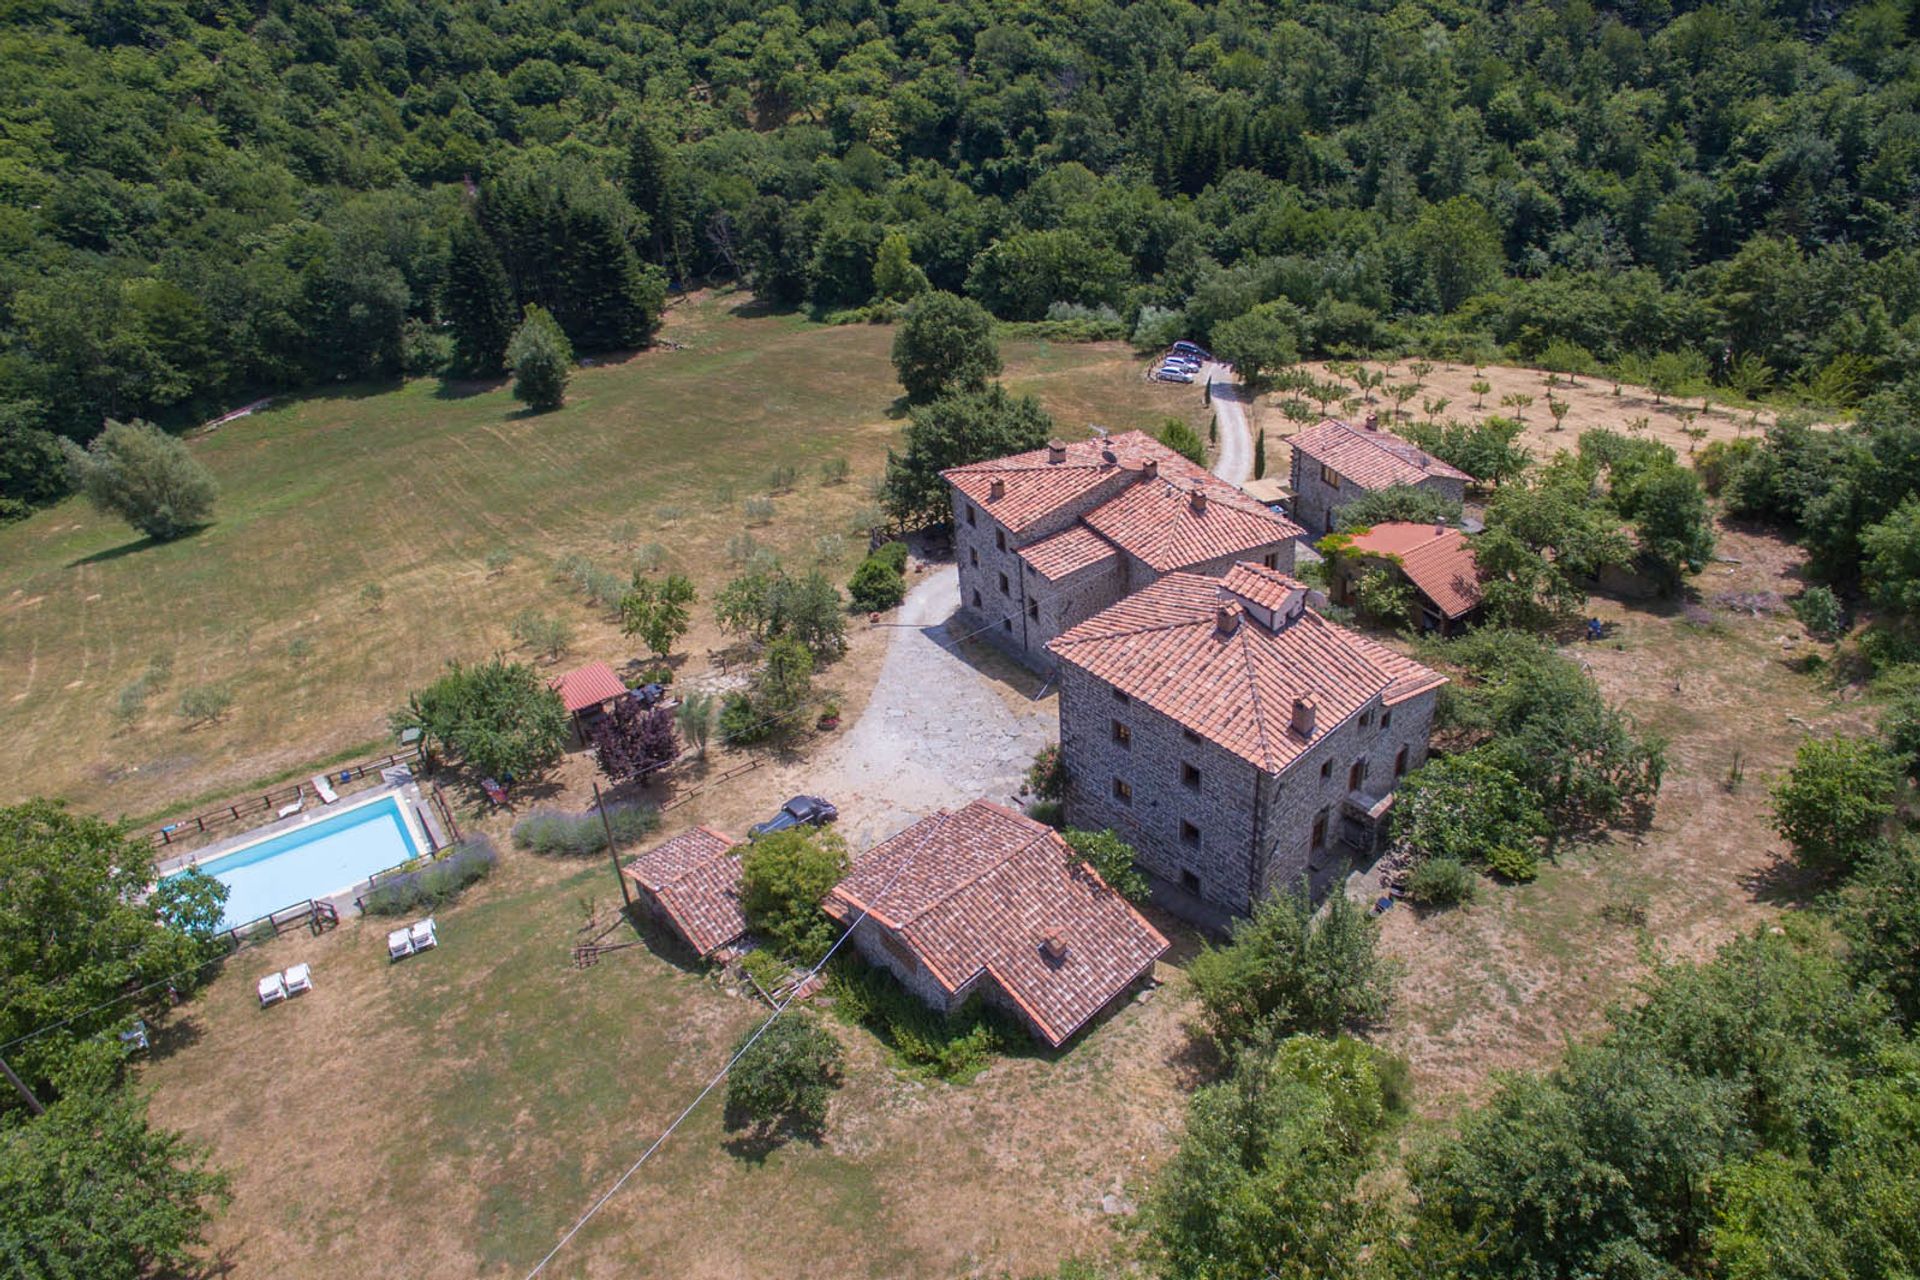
[412,487]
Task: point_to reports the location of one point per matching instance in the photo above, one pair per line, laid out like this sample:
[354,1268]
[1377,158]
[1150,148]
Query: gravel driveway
[937,732]
[1235,463]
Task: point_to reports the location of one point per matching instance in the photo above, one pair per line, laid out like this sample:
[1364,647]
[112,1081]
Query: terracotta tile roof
[695,878]
[982,892]
[1163,646]
[1370,459]
[1035,487]
[1152,517]
[588,686]
[1068,552]
[1441,564]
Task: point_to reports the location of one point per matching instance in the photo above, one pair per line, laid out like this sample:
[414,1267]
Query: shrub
[1819,612]
[1113,859]
[892,554]
[541,359]
[875,586]
[740,725]
[953,1047]
[1051,812]
[1517,865]
[497,560]
[1466,809]
[1442,882]
[834,470]
[427,887]
[694,718]
[1047,775]
[784,1077]
[204,704]
[580,835]
[1288,970]
[829,548]
[784,877]
[758,510]
[782,478]
[766,969]
[1833,805]
[649,558]
[1183,440]
[138,472]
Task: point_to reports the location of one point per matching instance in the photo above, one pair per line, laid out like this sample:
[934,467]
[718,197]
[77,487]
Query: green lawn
[411,486]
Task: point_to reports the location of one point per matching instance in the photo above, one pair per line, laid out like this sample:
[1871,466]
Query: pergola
[588,688]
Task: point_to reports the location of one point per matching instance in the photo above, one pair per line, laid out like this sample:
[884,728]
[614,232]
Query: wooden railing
[269,802]
[317,914]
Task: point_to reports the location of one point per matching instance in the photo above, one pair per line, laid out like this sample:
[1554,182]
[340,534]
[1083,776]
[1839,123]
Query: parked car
[801,811]
[1192,349]
[1176,375]
[648,695]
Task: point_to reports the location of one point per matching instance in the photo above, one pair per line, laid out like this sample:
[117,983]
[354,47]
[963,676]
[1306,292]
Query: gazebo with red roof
[588,689]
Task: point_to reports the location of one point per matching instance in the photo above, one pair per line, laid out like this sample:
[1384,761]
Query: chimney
[1226,619]
[1054,948]
[996,491]
[1056,452]
[1150,468]
[1439,528]
[1373,422]
[1304,711]
[1197,499]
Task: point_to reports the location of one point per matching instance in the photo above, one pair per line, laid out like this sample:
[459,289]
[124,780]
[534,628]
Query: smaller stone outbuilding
[1437,561]
[987,901]
[691,884]
[1335,463]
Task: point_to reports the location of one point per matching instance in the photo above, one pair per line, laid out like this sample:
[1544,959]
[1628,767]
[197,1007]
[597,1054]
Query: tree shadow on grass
[756,307]
[1785,883]
[466,388]
[171,1036]
[137,545]
[752,1143]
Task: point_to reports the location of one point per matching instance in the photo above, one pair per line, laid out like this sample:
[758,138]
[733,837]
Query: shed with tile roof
[1336,462]
[691,883]
[1436,560]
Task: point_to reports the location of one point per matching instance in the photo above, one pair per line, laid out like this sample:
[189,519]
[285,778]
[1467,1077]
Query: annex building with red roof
[691,884]
[1236,738]
[1048,538]
[986,901]
[1436,560]
[1336,462]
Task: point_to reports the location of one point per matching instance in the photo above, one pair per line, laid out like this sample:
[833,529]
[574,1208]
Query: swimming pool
[313,861]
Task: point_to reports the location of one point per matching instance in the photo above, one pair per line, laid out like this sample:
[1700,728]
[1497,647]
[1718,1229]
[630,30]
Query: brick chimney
[996,491]
[1372,422]
[1226,618]
[1197,499]
[1054,948]
[1305,710]
[1150,468]
[1056,452]
[1439,528]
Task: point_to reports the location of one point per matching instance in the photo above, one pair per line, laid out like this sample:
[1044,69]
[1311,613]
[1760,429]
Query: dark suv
[808,811]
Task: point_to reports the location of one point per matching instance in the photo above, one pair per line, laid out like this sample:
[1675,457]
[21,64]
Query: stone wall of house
[1055,607]
[883,948]
[1315,501]
[987,554]
[1318,783]
[1210,855]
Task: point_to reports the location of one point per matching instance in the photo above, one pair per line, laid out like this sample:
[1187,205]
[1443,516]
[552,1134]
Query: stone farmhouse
[691,884]
[1437,561]
[987,901]
[1235,737]
[1047,539]
[1334,463]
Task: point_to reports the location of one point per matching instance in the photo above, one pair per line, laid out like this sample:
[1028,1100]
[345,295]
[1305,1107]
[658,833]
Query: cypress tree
[1260,455]
[650,188]
[479,301]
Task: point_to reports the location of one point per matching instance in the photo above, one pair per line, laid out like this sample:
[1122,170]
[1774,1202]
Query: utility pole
[612,852]
[33,1103]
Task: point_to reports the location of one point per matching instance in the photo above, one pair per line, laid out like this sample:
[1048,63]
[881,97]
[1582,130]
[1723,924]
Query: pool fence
[271,802]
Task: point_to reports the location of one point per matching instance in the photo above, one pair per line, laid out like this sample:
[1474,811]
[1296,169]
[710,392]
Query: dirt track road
[1235,463]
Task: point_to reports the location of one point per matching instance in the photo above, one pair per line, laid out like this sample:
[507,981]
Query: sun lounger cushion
[288,810]
[399,943]
[299,978]
[272,987]
[423,935]
[324,789]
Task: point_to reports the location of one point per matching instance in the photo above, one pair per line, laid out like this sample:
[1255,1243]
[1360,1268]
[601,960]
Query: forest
[203,201]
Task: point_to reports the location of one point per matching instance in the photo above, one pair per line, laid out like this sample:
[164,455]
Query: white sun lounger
[323,788]
[273,988]
[299,978]
[423,935]
[399,944]
[299,803]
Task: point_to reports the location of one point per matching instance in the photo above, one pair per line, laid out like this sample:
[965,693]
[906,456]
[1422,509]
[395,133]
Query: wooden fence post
[612,852]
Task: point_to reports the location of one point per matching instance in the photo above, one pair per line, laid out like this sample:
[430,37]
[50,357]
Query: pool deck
[415,811]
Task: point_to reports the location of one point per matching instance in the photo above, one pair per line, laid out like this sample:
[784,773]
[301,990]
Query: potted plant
[830,716]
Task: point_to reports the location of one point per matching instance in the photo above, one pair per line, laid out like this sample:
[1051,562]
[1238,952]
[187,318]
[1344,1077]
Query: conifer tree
[541,359]
[479,301]
[1260,455]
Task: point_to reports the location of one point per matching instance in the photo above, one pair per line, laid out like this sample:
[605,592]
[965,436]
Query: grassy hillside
[411,487]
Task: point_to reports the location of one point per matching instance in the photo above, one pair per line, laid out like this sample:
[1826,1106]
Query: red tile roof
[588,686]
[1152,517]
[1163,646]
[695,877]
[981,891]
[1440,563]
[1369,458]
[1068,552]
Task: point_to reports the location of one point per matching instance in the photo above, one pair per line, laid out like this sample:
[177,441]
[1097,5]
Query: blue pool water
[313,861]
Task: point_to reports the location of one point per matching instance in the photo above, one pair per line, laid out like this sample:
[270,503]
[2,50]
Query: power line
[721,1074]
[107,1004]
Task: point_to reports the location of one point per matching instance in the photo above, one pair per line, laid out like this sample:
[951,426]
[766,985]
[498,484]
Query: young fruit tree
[138,472]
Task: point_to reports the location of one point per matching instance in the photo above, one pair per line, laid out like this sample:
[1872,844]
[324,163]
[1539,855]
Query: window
[1400,764]
[1190,735]
[1271,560]
[1366,718]
[1326,766]
[1006,624]
[1190,882]
[1033,610]
[1329,477]
[1386,718]
[973,557]
[1319,831]
[1357,776]
[1005,588]
[1122,735]
[1122,791]
[973,517]
[1000,539]
[1189,834]
[976,597]
[1118,696]
[1189,776]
